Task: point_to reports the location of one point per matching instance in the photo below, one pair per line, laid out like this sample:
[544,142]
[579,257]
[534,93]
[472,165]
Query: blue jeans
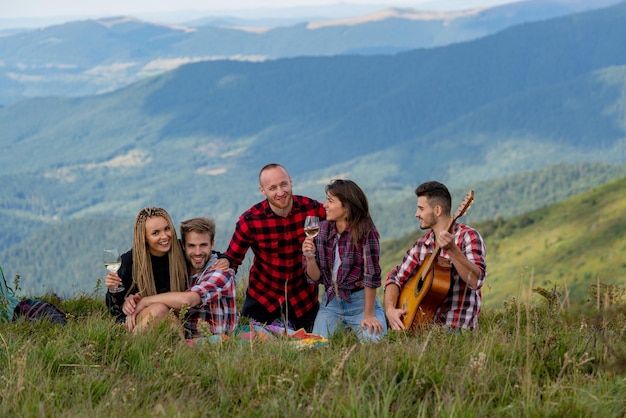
[339,314]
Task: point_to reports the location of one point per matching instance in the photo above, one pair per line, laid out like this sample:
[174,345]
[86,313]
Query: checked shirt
[353,274]
[277,246]
[217,292]
[461,306]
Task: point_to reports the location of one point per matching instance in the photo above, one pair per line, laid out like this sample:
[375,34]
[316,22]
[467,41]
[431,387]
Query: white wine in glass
[311,227]
[112,262]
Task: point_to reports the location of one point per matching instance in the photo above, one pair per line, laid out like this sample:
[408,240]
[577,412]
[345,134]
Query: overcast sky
[10,9]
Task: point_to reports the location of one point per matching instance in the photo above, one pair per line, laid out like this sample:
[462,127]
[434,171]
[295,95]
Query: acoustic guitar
[422,294]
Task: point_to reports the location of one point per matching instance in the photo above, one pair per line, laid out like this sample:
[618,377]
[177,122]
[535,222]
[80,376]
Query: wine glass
[112,262]
[311,227]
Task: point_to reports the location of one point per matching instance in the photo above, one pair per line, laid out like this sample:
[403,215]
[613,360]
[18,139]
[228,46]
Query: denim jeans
[339,314]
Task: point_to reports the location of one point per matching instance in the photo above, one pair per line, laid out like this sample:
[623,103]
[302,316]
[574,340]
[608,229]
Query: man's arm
[213,285]
[467,270]
[396,278]
[394,315]
[237,248]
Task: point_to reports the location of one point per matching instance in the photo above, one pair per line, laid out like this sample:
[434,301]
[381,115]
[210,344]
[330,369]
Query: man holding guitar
[440,277]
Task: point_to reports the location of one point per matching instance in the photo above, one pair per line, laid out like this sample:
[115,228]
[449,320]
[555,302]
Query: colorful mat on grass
[276,331]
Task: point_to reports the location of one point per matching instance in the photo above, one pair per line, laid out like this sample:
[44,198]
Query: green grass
[533,357]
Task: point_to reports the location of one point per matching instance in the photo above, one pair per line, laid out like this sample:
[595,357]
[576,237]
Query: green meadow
[530,358]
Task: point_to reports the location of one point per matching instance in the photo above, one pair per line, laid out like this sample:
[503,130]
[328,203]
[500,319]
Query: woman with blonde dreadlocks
[155,264]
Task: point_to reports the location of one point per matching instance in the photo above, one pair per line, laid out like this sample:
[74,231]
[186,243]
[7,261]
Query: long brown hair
[143,276]
[354,200]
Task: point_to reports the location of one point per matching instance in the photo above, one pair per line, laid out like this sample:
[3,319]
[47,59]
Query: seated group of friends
[162,273]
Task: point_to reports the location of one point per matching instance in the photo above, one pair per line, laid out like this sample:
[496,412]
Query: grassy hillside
[535,358]
[571,245]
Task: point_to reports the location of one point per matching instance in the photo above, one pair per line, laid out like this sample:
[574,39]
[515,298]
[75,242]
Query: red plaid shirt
[217,307]
[277,246]
[461,306]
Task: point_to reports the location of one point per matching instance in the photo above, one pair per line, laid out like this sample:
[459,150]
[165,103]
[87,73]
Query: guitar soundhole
[420,284]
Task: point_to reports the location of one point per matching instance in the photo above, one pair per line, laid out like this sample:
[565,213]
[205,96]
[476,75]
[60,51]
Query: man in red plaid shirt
[274,230]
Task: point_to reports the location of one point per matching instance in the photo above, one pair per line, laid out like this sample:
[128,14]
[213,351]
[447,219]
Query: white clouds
[47,8]
[10,9]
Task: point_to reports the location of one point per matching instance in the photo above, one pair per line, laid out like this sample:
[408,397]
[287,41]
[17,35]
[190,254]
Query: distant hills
[528,116]
[94,56]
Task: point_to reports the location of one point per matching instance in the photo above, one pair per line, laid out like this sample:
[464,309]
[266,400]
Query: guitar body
[422,296]
[423,293]
[441,281]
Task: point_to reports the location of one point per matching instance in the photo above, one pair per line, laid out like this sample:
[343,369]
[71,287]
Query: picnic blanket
[276,331]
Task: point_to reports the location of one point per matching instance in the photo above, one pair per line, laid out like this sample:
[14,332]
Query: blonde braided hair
[143,276]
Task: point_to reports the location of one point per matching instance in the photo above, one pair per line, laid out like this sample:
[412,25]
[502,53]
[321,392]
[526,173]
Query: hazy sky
[94,8]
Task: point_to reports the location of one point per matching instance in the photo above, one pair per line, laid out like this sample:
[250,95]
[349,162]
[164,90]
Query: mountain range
[526,116]
[93,56]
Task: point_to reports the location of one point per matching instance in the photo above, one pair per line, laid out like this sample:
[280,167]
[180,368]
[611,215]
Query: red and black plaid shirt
[277,246]
[461,307]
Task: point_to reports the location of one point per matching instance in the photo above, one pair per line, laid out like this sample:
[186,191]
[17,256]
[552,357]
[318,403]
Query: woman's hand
[372,324]
[308,247]
[130,304]
[112,280]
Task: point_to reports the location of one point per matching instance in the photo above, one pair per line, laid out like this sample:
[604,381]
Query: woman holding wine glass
[155,264]
[112,262]
[344,257]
